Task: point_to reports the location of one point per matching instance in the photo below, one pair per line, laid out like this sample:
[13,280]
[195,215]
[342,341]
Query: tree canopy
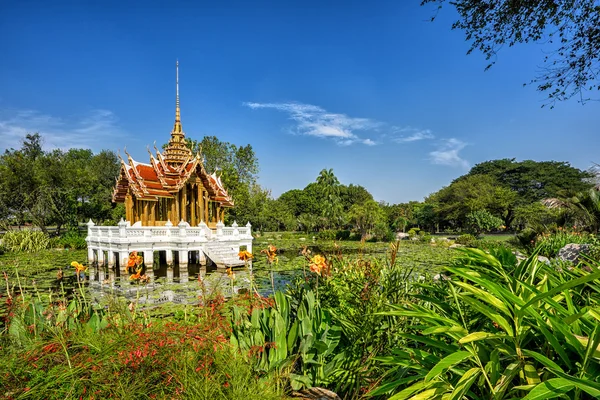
[570,30]
[56,187]
[506,189]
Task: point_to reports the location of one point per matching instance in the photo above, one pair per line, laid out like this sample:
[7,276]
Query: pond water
[37,273]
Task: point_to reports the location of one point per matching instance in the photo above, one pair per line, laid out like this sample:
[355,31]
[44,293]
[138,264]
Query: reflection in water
[167,288]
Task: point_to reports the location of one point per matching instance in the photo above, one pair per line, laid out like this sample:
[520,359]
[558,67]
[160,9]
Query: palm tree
[330,188]
[589,204]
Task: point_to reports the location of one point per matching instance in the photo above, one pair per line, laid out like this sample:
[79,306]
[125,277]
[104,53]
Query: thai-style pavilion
[174,186]
[172,205]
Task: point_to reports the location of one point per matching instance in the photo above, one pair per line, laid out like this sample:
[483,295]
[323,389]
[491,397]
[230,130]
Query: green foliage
[498,329]
[327,235]
[342,235]
[297,337]
[329,190]
[527,237]
[510,190]
[536,216]
[56,187]
[25,240]
[413,232]
[72,240]
[466,240]
[588,203]
[471,193]
[549,244]
[366,217]
[481,221]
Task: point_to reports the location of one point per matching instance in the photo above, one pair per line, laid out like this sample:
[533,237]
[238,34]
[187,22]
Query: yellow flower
[318,264]
[78,267]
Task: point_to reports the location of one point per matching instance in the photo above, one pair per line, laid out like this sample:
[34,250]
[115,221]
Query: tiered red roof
[159,179]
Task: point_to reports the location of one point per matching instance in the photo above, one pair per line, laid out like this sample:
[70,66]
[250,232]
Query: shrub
[25,240]
[526,237]
[355,237]
[482,221]
[413,231]
[72,240]
[342,235]
[549,244]
[326,235]
[486,244]
[466,240]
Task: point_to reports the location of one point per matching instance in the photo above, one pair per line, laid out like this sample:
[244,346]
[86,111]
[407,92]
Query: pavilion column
[183,266]
[169,209]
[183,207]
[149,263]
[193,203]
[128,208]
[111,266]
[200,202]
[218,208]
[145,213]
[138,210]
[177,209]
[123,259]
[173,210]
[206,207]
[153,213]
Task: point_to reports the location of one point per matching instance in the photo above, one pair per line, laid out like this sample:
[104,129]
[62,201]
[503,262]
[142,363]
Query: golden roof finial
[177,127]
[177,151]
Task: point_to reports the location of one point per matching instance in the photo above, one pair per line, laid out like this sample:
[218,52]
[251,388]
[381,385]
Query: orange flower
[132,259]
[230,273]
[271,252]
[78,267]
[245,255]
[134,277]
[318,264]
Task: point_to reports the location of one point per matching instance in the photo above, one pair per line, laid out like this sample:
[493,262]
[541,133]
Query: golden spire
[177,127]
[177,152]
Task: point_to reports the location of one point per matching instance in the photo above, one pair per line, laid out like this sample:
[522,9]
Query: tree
[531,181]
[589,204]
[472,193]
[570,29]
[329,187]
[56,187]
[353,194]
[480,221]
[366,216]
[238,167]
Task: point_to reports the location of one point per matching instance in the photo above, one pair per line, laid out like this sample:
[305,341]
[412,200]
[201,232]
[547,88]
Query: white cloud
[315,121]
[409,134]
[447,153]
[93,130]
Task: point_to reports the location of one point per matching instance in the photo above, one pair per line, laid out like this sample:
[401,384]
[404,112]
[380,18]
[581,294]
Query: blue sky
[373,90]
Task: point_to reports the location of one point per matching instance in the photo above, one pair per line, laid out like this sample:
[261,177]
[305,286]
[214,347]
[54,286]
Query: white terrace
[110,245]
